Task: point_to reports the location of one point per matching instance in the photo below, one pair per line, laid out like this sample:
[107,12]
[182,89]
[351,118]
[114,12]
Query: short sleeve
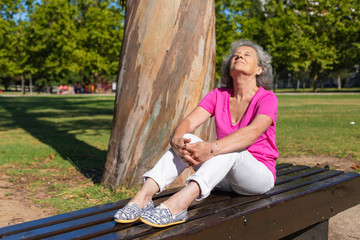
[268,105]
[209,102]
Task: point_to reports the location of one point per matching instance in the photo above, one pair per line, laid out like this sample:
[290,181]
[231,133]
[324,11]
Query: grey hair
[265,79]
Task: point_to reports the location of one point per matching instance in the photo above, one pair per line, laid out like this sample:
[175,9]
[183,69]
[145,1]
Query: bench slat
[295,175]
[80,223]
[27,226]
[95,222]
[196,212]
[237,222]
[65,217]
[282,165]
[290,169]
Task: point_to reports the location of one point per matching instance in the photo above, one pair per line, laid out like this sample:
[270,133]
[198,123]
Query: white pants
[238,171]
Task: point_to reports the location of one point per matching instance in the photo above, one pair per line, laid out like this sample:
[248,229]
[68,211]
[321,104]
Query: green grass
[55,146]
[319,125]
[319,90]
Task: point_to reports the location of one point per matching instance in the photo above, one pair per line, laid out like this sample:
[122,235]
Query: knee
[193,137]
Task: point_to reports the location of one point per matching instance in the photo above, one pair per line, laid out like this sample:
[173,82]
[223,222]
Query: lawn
[326,125]
[57,145]
[54,147]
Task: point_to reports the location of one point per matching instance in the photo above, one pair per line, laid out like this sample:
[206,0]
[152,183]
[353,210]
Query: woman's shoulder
[267,97]
[267,93]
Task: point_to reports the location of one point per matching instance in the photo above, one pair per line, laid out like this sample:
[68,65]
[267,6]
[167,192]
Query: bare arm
[188,125]
[237,141]
[244,137]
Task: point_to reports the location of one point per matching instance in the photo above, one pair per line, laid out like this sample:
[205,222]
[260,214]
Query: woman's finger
[190,160]
[185,152]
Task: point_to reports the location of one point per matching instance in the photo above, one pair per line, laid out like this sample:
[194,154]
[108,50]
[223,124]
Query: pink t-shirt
[265,102]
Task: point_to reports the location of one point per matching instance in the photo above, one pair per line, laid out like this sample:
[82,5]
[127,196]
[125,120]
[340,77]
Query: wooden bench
[298,207]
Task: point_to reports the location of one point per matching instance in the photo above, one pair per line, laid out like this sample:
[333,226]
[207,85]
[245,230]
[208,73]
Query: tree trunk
[303,85]
[167,64]
[275,81]
[31,85]
[339,82]
[22,84]
[298,84]
[322,84]
[315,83]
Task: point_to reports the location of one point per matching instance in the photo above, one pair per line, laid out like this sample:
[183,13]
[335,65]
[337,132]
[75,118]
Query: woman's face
[244,61]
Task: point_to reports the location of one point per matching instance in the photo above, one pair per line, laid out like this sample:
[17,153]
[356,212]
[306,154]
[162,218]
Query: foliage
[13,41]
[302,36]
[226,29]
[60,41]
[80,40]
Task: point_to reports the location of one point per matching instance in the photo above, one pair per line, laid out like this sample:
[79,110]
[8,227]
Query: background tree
[165,70]
[300,35]
[52,35]
[60,42]
[13,43]
[345,36]
[99,27]
[226,29]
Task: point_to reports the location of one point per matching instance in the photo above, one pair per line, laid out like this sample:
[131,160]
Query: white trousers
[239,172]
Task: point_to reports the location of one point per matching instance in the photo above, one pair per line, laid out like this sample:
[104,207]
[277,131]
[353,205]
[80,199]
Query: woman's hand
[199,152]
[188,125]
[178,146]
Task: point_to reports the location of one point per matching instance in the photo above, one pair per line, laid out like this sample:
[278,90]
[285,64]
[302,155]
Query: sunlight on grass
[319,125]
[55,146]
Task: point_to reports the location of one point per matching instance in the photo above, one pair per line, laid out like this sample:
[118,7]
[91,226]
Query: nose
[238,56]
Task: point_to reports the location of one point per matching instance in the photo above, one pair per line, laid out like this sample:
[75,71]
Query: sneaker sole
[126,221]
[161,226]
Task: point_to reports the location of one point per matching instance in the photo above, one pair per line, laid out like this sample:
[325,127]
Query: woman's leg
[244,173]
[240,171]
[248,176]
[165,171]
[182,199]
[145,193]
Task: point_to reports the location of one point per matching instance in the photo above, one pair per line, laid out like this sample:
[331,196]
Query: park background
[45,44]
[53,148]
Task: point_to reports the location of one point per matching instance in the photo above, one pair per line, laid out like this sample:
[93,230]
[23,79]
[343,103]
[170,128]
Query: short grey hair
[265,79]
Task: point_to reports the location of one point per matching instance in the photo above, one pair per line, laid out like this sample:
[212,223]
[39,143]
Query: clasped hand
[192,153]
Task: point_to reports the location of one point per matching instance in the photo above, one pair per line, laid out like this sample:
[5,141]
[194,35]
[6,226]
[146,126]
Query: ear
[259,71]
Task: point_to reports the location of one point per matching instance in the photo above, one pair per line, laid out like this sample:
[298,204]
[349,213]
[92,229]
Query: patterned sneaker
[131,212]
[162,217]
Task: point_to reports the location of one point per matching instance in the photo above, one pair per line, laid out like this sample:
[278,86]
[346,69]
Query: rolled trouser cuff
[204,188]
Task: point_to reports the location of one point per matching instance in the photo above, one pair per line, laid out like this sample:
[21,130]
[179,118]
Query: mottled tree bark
[167,65]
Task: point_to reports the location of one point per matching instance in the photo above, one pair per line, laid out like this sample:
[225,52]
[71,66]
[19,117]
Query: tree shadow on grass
[56,122]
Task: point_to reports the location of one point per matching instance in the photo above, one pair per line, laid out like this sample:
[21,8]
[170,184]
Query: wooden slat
[199,211]
[299,205]
[290,169]
[27,226]
[294,175]
[79,214]
[282,165]
[97,222]
[213,212]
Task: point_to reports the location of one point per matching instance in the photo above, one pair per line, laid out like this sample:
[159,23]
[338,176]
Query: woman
[243,157]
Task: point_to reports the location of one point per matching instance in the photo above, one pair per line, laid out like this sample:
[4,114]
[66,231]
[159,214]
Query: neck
[244,89]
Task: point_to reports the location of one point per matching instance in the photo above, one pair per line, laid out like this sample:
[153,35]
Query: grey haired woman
[243,157]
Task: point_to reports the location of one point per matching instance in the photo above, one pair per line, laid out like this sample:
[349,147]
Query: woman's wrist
[214,148]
